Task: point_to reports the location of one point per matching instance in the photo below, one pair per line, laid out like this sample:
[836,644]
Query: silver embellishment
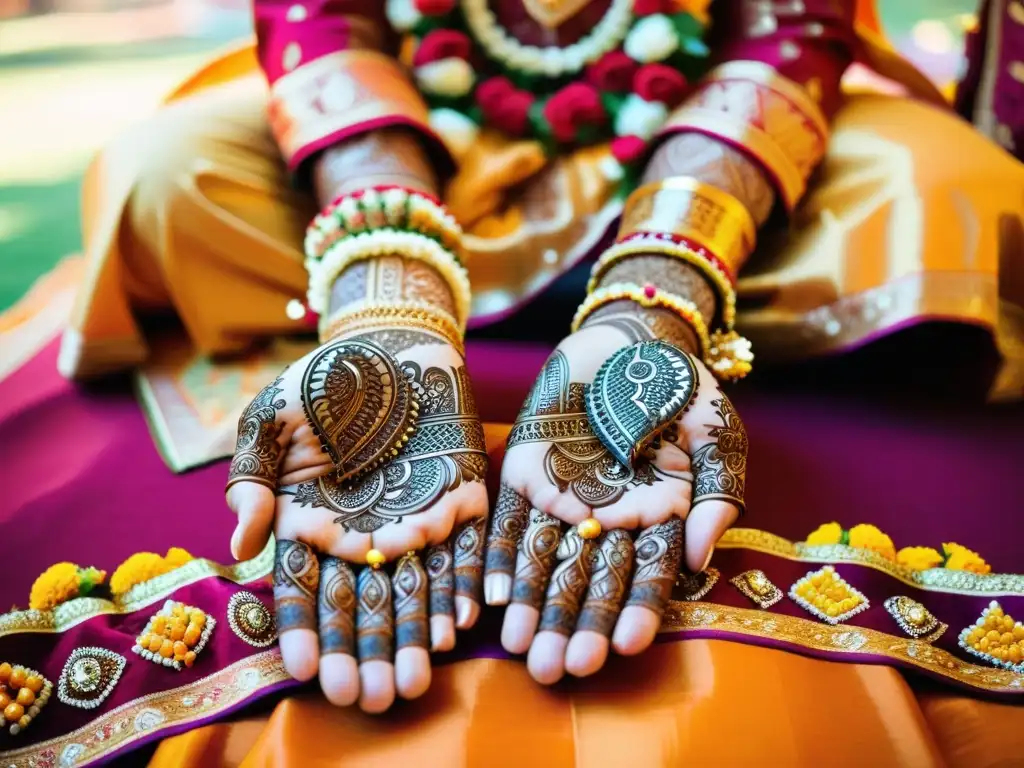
[914,619]
[251,620]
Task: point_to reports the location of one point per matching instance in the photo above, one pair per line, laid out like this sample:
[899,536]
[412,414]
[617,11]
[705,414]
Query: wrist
[637,323]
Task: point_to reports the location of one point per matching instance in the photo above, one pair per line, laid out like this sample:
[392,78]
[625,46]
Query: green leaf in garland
[539,123]
[844,538]
[429,24]
[687,25]
[475,114]
[612,102]
[694,46]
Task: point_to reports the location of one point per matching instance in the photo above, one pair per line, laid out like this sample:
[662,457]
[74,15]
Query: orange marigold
[960,558]
[919,558]
[828,533]
[143,566]
[62,582]
[867,536]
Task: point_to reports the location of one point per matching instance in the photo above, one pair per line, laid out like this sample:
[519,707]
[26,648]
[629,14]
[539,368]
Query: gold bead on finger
[589,529]
[375,558]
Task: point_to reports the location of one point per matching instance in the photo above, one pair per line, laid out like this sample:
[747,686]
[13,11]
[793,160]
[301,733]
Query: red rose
[441,44]
[612,72]
[504,106]
[576,105]
[657,82]
[646,7]
[628,149]
[434,7]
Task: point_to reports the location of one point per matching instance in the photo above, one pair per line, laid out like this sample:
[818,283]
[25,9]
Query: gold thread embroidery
[88,677]
[755,585]
[251,620]
[74,612]
[749,622]
[117,729]
[935,579]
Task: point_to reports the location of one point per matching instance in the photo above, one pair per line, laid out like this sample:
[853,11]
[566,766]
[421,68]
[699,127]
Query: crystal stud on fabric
[88,677]
[997,638]
[251,620]
[914,619]
[23,694]
[827,595]
[758,587]
[637,393]
[693,587]
[175,636]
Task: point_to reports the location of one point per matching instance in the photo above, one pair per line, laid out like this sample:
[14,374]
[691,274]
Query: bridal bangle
[405,315]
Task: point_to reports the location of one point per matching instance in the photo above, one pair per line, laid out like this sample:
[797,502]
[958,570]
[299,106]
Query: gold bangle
[726,353]
[701,213]
[750,105]
[643,245]
[406,315]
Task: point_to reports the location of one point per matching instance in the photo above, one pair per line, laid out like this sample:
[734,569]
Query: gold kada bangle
[726,353]
[406,315]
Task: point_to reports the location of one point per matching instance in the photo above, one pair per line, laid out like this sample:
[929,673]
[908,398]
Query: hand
[334,613]
[557,472]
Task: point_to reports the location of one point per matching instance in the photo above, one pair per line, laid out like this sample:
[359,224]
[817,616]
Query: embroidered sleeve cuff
[342,95]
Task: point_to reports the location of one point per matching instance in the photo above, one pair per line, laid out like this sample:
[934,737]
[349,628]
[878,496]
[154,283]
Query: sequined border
[146,716]
[935,579]
[842,639]
[74,612]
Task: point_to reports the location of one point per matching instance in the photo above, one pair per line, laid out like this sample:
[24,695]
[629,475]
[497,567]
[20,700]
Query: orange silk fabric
[695,702]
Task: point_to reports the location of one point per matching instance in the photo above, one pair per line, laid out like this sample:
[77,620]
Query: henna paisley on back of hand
[375,622]
[568,584]
[508,521]
[536,559]
[720,468]
[409,585]
[257,452]
[608,584]
[337,605]
[659,552]
[296,576]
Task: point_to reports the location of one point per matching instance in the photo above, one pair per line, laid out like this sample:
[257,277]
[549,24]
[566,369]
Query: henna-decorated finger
[375,640]
[339,673]
[533,569]
[412,659]
[609,582]
[296,576]
[469,568]
[509,520]
[441,574]
[659,551]
[568,584]
[252,476]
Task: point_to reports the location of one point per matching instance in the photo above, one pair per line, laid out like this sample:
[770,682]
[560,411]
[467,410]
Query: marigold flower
[827,533]
[143,566]
[919,558]
[62,582]
[865,536]
[960,558]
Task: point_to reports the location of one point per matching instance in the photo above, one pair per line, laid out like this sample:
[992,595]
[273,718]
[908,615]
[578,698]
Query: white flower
[456,130]
[402,14]
[611,168]
[447,77]
[652,38]
[639,117]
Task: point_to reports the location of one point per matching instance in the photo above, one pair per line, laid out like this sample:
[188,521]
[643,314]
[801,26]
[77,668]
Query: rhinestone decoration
[23,694]
[175,635]
[758,587]
[88,677]
[251,620]
[694,587]
[914,619]
[997,638]
[827,595]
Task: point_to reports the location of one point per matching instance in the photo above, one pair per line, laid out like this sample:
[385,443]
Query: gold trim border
[74,612]
[142,717]
[842,639]
[932,580]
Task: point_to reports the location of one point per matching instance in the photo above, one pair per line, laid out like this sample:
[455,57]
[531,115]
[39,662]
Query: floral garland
[954,557]
[619,82]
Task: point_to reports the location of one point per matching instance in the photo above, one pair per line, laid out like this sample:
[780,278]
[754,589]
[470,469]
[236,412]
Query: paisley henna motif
[720,468]
[536,559]
[469,558]
[375,622]
[568,584]
[659,552]
[511,514]
[337,607]
[257,452]
[441,575]
[296,575]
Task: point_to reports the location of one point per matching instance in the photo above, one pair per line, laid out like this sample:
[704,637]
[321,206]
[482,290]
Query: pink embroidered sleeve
[332,73]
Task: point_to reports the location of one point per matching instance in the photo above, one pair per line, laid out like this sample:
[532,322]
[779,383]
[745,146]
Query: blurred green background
[73,73]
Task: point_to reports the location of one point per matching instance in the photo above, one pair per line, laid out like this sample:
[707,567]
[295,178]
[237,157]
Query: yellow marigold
[919,558]
[62,582]
[959,558]
[828,533]
[699,8]
[143,566]
[865,536]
